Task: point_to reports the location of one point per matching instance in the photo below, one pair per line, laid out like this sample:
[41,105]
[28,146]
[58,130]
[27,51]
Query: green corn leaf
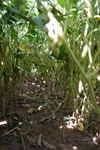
[61,3]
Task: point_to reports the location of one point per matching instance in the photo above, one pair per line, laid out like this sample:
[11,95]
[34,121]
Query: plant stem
[97,110]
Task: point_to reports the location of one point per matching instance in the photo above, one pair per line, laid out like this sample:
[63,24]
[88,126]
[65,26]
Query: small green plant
[48,104]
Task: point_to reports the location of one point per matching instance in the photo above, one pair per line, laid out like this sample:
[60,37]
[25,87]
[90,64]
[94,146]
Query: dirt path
[35,125]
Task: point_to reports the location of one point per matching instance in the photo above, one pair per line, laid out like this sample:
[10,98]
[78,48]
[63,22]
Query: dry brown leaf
[30,111]
[48,145]
[15,118]
[27,105]
[32,141]
[40,140]
[53,115]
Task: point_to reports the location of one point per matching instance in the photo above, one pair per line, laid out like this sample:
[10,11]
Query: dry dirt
[37,123]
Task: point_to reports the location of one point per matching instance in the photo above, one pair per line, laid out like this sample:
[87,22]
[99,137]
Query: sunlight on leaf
[89,7]
[80,88]
[98,77]
[97,17]
[54,27]
[86,29]
[85,50]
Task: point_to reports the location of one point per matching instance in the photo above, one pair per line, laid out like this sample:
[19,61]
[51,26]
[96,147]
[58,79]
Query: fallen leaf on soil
[53,115]
[48,145]
[45,118]
[32,141]
[40,139]
[15,118]
[37,141]
[30,111]
[27,105]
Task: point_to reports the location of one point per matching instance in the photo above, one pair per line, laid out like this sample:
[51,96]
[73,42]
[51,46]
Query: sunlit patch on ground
[96,139]
[40,107]
[3,123]
[75,148]
[72,123]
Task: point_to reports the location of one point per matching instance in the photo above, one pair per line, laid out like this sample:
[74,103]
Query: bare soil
[37,123]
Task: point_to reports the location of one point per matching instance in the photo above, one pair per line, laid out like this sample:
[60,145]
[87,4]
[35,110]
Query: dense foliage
[56,40]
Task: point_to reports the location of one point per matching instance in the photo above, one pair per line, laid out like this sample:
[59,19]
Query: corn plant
[74,39]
